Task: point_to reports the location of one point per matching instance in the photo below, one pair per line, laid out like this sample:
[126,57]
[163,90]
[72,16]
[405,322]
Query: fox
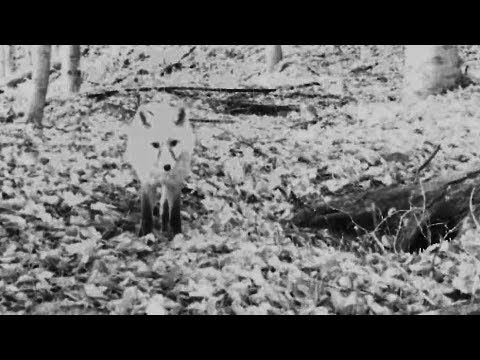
[160,143]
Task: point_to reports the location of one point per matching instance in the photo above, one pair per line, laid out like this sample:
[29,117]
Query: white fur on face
[160,128]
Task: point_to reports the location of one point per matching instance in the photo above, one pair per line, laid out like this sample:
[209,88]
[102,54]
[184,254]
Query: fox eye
[173,143]
[156,144]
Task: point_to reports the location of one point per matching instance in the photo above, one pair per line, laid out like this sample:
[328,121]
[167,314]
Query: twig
[310,122]
[91,82]
[471,210]
[429,160]
[212,121]
[465,176]
[253,147]
[177,65]
[188,53]
[314,73]
[210,182]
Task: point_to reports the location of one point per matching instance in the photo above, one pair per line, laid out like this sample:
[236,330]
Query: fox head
[160,144]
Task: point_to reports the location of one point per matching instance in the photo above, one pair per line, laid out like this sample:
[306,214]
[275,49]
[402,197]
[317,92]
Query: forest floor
[69,202]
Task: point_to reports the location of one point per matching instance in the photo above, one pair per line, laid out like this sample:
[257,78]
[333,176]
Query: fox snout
[166,161]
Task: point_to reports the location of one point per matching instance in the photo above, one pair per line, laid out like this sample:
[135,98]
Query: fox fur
[159,148]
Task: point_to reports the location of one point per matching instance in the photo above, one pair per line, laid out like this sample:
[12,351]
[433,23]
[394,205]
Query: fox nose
[167,167]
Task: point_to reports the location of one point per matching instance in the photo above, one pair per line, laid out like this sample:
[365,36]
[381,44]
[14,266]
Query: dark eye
[173,143]
[156,144]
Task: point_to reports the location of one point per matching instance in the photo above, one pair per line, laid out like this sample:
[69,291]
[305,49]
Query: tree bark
[431,70]
[29,54]
[71,68]
[3,62]
[56,53]
[418,214]
[41,75]
[365,53]
[273,56]
[11,64]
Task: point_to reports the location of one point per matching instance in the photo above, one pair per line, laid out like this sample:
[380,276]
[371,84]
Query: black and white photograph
[239,179]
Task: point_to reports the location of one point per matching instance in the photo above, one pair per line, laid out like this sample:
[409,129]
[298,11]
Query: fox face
[159,148]
[160,144]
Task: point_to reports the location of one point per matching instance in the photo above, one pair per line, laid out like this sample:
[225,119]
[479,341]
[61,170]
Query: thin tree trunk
[431,69]
[365,53]
[29,53]
[41,74]
[273,56]
[56,53]
[70,66]
[11,65]
[3,62]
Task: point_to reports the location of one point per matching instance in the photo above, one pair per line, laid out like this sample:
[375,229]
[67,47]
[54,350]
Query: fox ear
[181,117]
[143,119]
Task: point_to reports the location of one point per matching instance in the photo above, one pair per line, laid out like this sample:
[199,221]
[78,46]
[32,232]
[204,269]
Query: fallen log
[236,107]
[418,214]
[101,95]
[288,92]
[229,106]
[212,121]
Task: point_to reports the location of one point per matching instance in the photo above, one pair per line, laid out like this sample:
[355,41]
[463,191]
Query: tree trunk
[273,56]
[3,62]
[11,64]
[70,66]
[41,74]
[431,70]
[56,53]
[29,54]
[365,53]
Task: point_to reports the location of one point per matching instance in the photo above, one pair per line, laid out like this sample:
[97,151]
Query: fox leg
[164,210]
[146,226]
[175,217]
[170,209]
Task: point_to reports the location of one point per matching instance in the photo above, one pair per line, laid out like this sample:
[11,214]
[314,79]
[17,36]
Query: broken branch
[429,160]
